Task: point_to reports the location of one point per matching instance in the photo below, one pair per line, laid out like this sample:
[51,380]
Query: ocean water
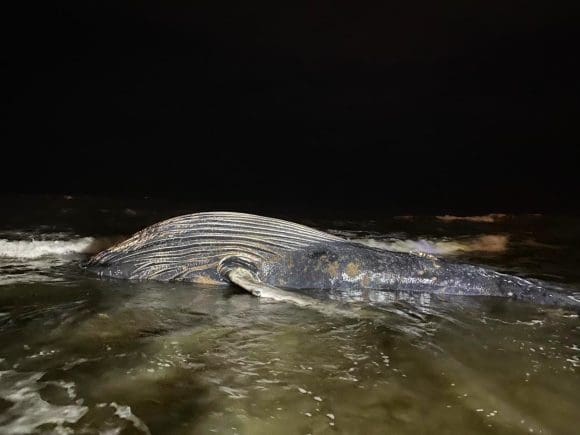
[79,354]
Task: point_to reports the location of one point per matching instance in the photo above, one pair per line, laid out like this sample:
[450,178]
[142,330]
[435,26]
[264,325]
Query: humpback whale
[270,258]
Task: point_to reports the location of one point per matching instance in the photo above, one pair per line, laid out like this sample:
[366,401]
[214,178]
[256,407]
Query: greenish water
[83,355]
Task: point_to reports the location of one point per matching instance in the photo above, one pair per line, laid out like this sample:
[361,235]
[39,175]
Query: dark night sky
[457,105]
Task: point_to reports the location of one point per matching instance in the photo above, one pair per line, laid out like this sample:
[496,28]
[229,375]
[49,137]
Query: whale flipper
[242,272]
[245,279]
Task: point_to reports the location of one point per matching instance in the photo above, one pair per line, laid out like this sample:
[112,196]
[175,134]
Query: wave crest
[485,243]
[29,249]
[488,218]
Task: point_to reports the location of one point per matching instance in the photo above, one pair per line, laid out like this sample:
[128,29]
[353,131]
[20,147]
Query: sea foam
[28,249]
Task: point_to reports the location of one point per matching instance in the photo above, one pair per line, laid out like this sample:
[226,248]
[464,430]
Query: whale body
[271,257]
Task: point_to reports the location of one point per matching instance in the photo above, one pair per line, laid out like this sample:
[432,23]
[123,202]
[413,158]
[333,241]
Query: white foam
[29,410]
[28,249]
[27,261]
[488,218]
[124,412]
[486,243]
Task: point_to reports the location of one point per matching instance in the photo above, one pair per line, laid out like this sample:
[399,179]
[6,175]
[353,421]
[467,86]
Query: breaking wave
[29,249]
[33,260]
[488,218]
[485,243]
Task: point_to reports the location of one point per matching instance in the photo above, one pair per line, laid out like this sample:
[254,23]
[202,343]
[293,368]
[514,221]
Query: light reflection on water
[217,360]
[84,355]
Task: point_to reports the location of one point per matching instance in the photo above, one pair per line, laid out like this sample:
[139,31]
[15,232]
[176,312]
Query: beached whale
[271,257]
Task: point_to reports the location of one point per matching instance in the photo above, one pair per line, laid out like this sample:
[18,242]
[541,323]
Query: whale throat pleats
[192,244]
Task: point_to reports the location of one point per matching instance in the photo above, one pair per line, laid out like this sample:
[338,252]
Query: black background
[411,106]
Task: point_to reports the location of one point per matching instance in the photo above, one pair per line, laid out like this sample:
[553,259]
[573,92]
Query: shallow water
[84,355]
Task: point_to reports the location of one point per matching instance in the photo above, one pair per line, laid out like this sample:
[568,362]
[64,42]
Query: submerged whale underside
[264,255]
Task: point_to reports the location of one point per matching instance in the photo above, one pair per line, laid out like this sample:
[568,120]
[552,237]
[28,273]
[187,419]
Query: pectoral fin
[248,281]
[242,273]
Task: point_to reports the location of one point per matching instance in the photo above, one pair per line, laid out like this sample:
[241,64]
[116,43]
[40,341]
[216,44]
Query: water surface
[84,355]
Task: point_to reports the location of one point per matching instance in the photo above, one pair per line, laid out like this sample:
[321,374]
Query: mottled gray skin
[346,266]
[205,248]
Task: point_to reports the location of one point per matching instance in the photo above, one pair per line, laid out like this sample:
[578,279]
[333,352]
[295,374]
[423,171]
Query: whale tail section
[540,292]
[481,281]
[430,274]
